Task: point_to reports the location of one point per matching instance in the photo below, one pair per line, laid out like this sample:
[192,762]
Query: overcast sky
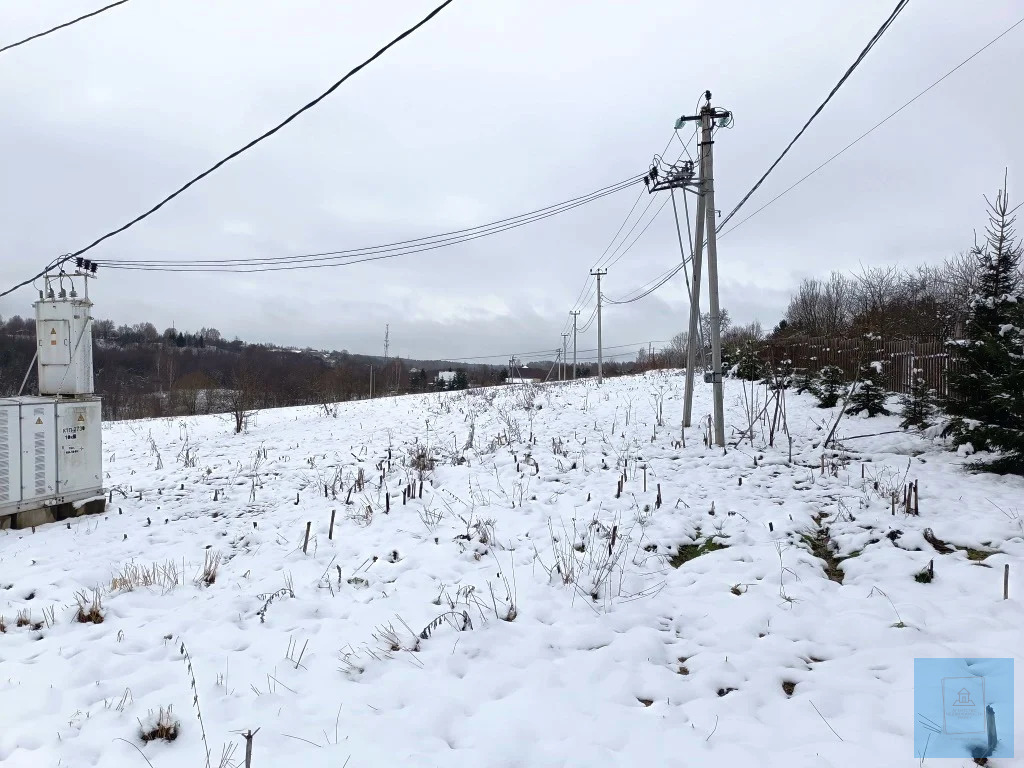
[495,108]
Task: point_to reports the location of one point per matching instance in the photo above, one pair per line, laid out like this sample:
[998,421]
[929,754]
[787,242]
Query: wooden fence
[899,358]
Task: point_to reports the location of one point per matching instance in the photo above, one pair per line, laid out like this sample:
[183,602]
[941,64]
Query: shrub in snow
[869,395]
[160,725]
[917,407]
[829,387]
[986,377]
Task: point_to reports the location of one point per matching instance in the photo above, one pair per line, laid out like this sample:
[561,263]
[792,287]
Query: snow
[353,651]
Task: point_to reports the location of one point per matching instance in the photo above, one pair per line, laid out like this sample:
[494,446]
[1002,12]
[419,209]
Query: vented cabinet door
[10,454]
[38,459]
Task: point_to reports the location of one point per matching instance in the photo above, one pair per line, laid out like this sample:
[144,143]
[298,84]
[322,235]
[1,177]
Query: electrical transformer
[51,444]
[50,452]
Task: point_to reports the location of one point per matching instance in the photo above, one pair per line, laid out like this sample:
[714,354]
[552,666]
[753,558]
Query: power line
[587,283]
[656,213]
[396,248]
[871,44]
[658,282]
[266,134]
[879,124]
[349,258]
[62,26]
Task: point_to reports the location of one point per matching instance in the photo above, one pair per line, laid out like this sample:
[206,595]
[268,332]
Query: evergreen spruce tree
[869,395]
[828,387]
[917,406]
[986,373]
[805,382]
[749,365]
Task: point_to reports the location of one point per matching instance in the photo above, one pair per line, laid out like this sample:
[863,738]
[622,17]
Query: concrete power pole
[565,363]
[694,329]
[706,219]
[600,354]
[574,314]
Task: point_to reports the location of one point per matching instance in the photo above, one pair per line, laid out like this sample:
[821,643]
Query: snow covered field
[515,613]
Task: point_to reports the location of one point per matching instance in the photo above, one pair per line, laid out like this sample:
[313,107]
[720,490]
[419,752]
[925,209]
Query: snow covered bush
[986,375]
[829,387]
[869,395]
[160,725]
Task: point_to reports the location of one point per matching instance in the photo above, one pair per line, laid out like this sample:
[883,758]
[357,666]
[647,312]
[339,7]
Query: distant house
[446,376]
[523,376]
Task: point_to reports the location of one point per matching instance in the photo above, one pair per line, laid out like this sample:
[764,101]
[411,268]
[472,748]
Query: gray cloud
[493,109]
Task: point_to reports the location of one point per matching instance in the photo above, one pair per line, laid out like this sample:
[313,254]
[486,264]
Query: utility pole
[387,341]
[706,218]
[574,314]
[680,176]
[600,355]
[565,365]
[371,382]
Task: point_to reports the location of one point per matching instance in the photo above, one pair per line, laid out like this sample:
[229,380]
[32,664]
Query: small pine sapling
[829,387]
[917,407]
[869,395]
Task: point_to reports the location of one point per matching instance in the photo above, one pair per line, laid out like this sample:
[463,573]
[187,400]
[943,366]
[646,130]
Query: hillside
[514,609]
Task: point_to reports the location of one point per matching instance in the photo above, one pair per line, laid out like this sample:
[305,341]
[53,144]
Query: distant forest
[142,373]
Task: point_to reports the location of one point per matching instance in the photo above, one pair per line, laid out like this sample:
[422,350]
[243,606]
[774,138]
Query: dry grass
[208,575]
[133,576]
[90,611]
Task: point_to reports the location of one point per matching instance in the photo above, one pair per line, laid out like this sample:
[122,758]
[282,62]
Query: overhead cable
[51,30]
[867,48]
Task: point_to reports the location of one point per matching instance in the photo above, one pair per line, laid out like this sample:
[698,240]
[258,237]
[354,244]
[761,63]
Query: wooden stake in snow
[1006,582]
[657,503]
[387,503]
[330,531]
[248,746]
[917,507]
[645,478]
[305,543]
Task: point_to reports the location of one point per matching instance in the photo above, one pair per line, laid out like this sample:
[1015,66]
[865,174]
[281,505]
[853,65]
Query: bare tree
[241,397]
